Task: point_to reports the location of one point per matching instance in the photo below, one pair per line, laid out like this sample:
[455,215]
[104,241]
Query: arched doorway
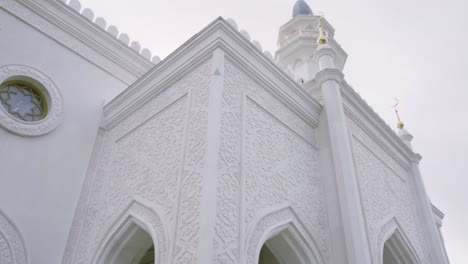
[136,237]
[148,258]
[284,236]
[282,249]
[397,251]
[389,257]
[131,245]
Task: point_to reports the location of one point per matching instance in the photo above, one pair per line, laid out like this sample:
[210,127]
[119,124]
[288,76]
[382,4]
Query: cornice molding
[438,215]
[219,34]
[365,117]
[68,27]
[328,75]
[416,158]
[369,120]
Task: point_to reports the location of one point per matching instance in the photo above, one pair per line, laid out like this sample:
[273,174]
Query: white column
[350,209]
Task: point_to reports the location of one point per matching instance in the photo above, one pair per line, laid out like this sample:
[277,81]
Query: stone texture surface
[155,154]
[268,157]
[385,192]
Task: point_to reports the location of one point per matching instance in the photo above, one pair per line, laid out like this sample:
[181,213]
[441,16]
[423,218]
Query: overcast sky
[415,50]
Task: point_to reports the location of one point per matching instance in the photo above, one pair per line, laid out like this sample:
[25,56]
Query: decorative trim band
[74,31]
[12,246]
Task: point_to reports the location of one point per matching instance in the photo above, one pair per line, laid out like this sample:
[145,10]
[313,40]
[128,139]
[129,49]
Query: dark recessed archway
[397,251]
[283,249]
[132,245]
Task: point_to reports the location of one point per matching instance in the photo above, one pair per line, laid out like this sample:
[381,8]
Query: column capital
[329,75]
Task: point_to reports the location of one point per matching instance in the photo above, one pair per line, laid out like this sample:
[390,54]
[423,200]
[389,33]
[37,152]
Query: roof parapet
[246,35]
[112,30]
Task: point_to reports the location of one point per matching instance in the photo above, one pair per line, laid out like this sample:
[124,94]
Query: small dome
[301,8]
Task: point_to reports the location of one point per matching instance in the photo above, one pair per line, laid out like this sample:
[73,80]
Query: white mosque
[220,153]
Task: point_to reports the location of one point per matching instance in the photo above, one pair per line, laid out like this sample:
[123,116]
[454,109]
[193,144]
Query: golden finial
[400,124]
[322,39]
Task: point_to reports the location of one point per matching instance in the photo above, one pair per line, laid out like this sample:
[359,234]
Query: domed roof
[301,8]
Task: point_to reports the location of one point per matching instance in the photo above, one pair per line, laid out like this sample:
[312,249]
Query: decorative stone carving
[47,88]
[245,34]
[88,13]
[266,152]
[391,230]
[143,155]
[113,30]
[135,45]
[282,217]
[143,212]
[12,246]
[75,4]
[101,22]
[257,45]
[146,53]
[232,22]
[156,60]
[188,222]
[268,54]
[385,193]
[124,38]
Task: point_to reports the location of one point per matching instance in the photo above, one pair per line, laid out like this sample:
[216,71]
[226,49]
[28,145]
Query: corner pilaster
[343,197]
[210,171]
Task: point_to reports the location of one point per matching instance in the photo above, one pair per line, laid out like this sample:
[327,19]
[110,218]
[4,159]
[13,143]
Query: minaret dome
[301,8]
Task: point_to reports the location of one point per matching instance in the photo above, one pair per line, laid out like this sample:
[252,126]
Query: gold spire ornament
[400,125]
[322,39]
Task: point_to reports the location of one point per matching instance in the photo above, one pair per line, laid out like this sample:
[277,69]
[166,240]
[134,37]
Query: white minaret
[297,43]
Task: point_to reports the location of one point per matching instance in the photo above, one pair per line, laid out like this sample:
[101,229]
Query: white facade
[205,157]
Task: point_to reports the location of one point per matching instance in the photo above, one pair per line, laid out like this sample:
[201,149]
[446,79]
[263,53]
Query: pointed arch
[131,236]
[12,245]
[395,245]
[281,231]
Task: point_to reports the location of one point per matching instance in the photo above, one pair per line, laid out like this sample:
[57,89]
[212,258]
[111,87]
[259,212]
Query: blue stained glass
[22,101]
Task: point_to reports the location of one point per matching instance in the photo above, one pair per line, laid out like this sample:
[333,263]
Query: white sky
[415,50]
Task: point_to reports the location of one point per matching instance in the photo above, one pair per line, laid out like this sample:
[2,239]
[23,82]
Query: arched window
[278,237]
[148,258]
[389,256]
[282,249]
[397,251]
[267,257]
[136,237]
[132,246]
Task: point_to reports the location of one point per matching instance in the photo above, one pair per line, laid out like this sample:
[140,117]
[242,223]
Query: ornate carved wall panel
[155,154]
[385,192]
[268,156]
[12,246]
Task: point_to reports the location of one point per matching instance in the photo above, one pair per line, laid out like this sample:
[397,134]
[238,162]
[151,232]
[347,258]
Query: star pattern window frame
[10,91]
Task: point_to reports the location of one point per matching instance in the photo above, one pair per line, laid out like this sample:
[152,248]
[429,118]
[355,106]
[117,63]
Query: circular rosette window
[31,104]
[23,101]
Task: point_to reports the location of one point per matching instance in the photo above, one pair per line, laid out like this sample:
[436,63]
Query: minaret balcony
[312,34]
